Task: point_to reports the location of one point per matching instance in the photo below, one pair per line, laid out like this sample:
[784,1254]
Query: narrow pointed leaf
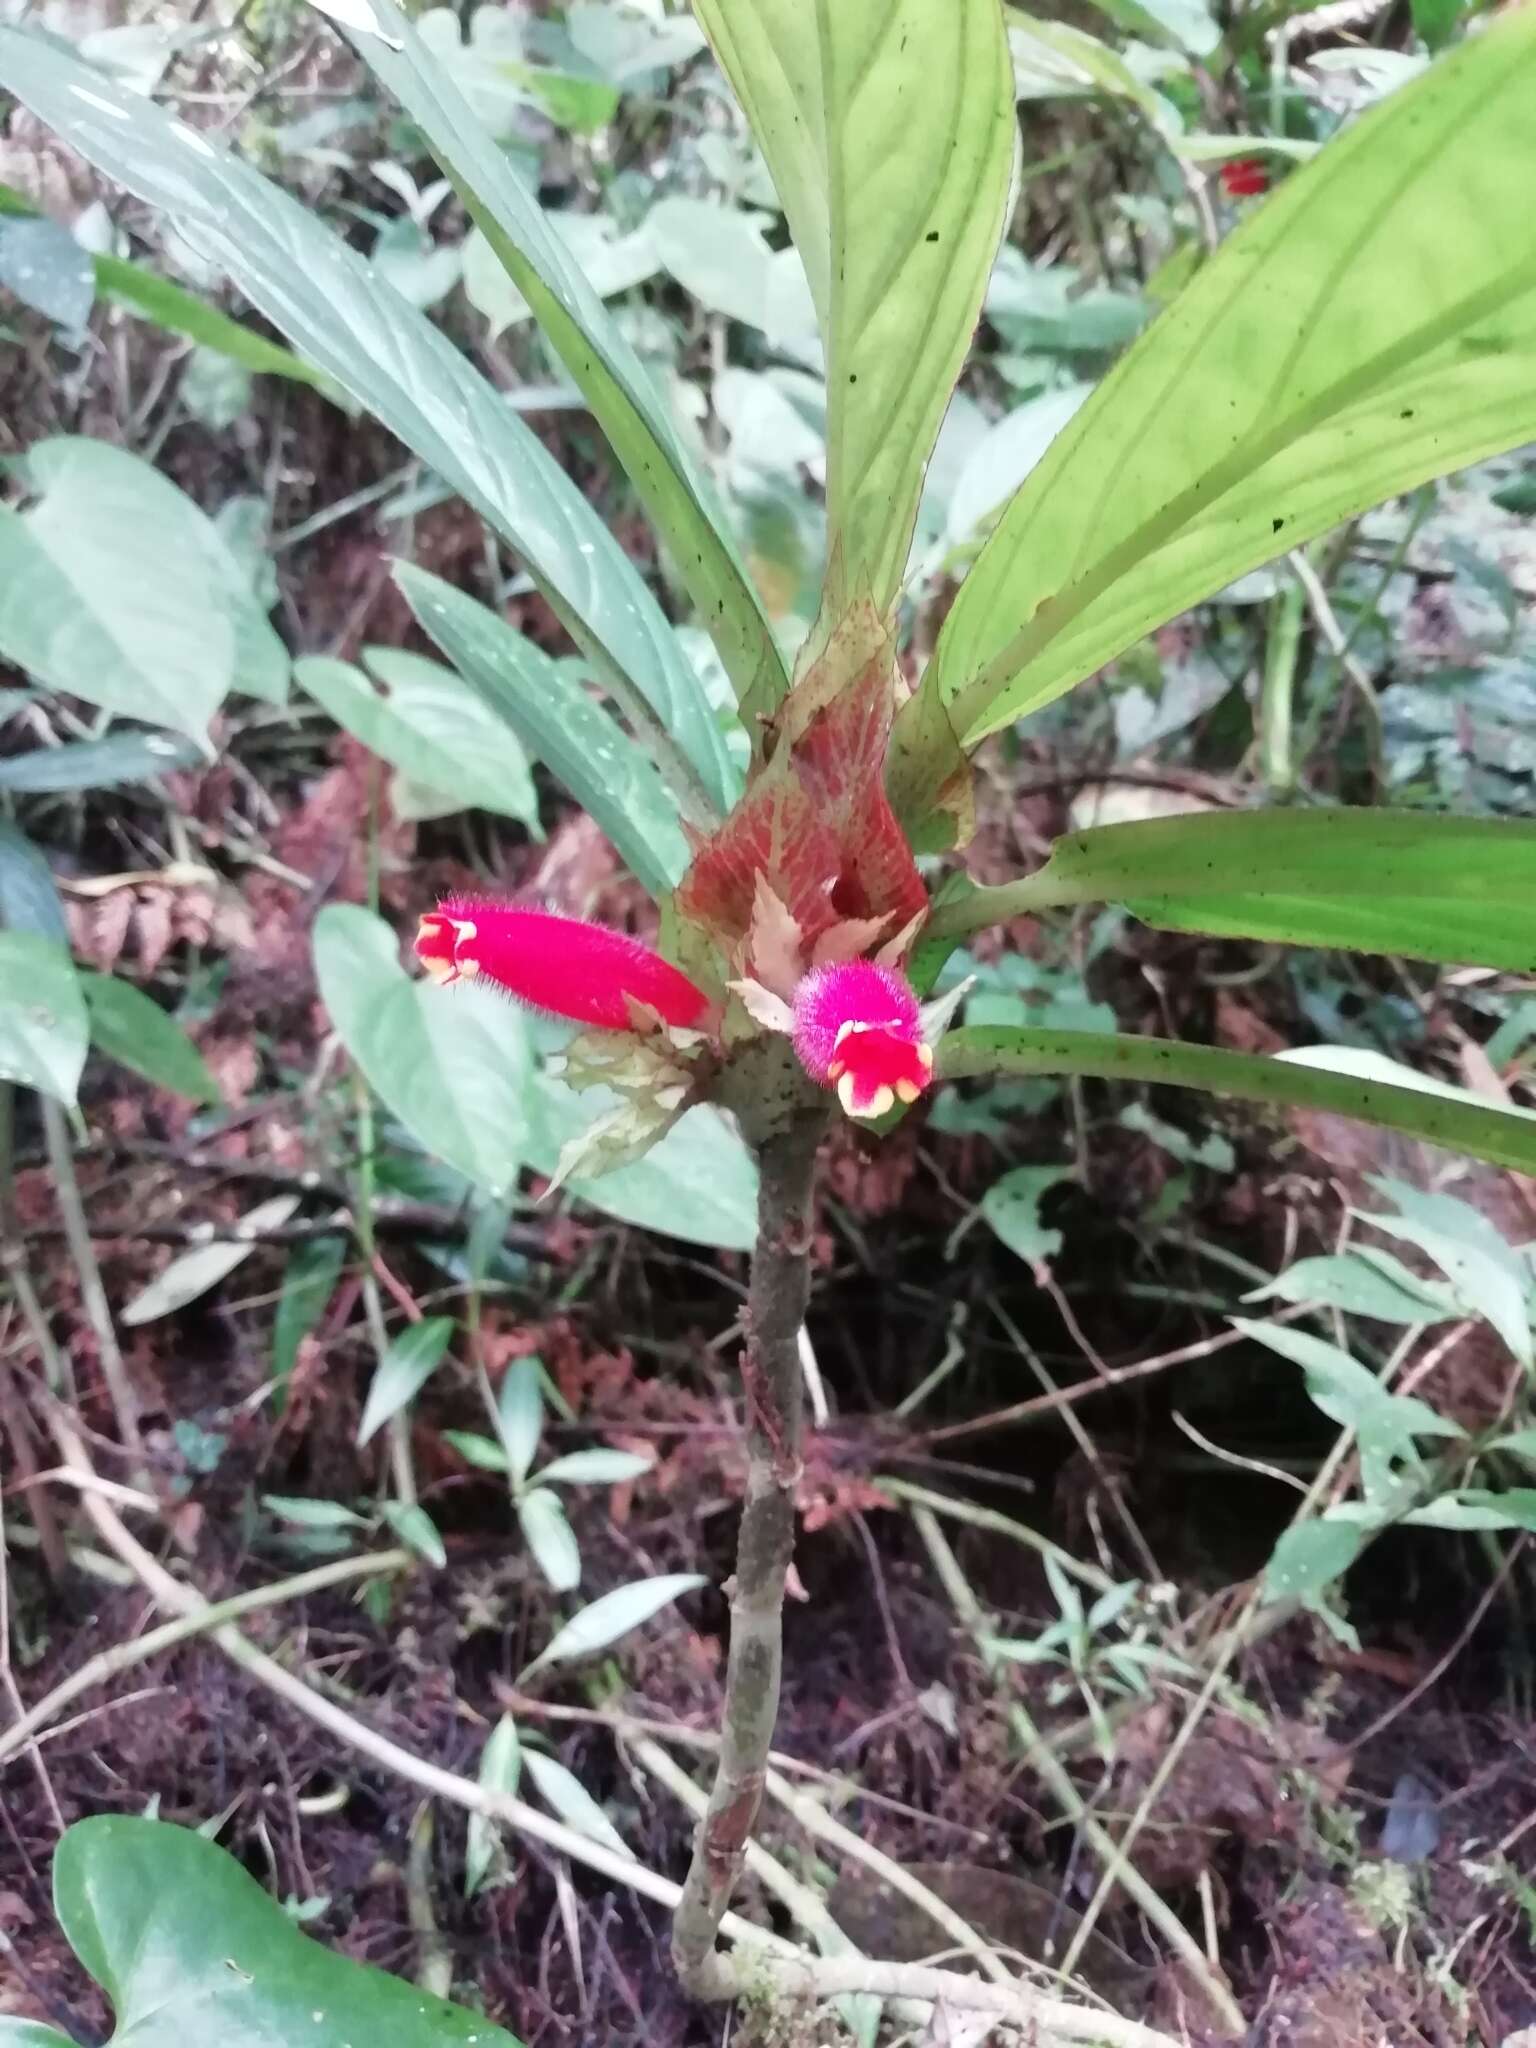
[559,723]
[888,126]
[1499,1136]
[1371,881]
[403,1371]
[130,1026]
[1370,326]
[349,321]
[614,1615]
[625,402]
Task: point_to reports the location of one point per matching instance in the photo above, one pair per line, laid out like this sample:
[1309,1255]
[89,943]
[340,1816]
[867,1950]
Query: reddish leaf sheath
[857,1028]
[559,964]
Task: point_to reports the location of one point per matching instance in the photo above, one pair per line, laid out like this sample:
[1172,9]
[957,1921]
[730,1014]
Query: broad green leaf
[451,1064]
[1490,1286]
[309,1281]
[1496,1135]
[541,1517]
[698,1182]
[610,262]
[426,721]
[520,1415]
[501,1769]
[564,1791]
[188,1947]
[115,587]
[1361,1282]
[46,268]
[474,1449]
[597,1467]
[29,902]
[559,724]
[130,1026]
[97,764]
[888,126]
[1309,1558]
[1374,881]
[626,403]
[44,1028]
[1012,1207]
[1368,327]
[1348,1394]
[195,1273]
[403,1371]
[349,322]
[614,1615]
[719,254]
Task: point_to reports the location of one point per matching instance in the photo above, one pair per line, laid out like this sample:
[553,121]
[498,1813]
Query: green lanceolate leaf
[130,1026]
[179,311]
[43,1028]
[624,400]
[188,1947]
[427,722]
[454,1071]
[1499,1136]
[347,320]
[1369,327]
[558,722]
[1433,888]
[888,126]
[115,587]
[403,1371]
[123,756]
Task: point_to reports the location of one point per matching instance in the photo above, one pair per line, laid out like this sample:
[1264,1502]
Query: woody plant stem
[770,1377]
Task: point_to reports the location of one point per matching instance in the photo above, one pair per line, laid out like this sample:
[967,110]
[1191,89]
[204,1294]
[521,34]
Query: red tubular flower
[857,1027]
[1244,177]
[558,964]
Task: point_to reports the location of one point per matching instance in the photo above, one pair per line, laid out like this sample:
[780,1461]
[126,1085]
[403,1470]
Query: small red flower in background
[1244,177]
[559,964]
[857,1027]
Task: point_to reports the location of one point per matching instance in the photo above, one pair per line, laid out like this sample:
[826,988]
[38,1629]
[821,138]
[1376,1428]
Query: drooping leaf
[115,587]
[559,724]
[1310,1558]
[427,722]
[195,1273]
[1361,1282]
[29,901]
[1368,327]
[888,126]
[130,1026]
[309,1281]
[564,1791]
[44,1029]
[501,1769]
[188,1946]
[613,1616]
[451,1064]
[624,399]
[403,1371]
[1499,1136]
[1374,881]
[352,324]
[416,1529]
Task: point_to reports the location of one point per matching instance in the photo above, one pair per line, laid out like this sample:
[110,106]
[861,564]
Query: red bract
[558,964]
[857,1027]
[818,827]
[1244,177]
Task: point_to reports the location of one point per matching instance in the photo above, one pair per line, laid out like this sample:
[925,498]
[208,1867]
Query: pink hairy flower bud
[559,964]
[857,1027]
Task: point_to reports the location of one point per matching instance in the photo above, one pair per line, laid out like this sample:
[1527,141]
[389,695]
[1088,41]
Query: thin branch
[772,1380]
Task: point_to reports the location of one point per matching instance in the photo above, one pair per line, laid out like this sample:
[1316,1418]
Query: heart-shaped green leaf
[116,587]
[189,1948]
[452,1064]
[1370,326]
